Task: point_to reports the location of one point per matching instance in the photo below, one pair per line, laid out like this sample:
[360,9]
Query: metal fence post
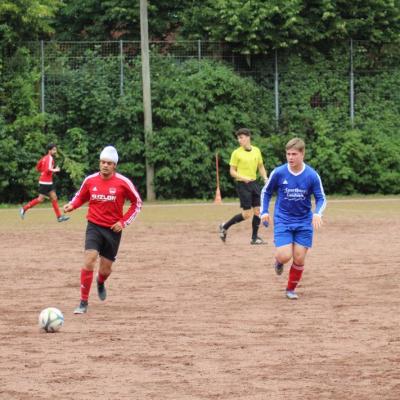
[42,88]
[276,90]
[121,68]
[199,49]
[147,109]
[351,85]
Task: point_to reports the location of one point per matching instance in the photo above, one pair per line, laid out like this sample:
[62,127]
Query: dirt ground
[188,317]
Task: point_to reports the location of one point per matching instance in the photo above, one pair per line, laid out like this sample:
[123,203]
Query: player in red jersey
[106,192]
[46,167]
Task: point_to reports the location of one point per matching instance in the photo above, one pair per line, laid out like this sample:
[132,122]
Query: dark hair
[51,146]
[243,131]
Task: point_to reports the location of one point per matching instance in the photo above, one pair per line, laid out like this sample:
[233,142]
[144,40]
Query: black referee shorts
[102,239]
[249,194]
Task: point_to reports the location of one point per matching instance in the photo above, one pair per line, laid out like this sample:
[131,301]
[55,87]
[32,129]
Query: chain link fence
[320,88]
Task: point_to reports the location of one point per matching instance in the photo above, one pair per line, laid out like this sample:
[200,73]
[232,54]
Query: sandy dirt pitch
[189,317]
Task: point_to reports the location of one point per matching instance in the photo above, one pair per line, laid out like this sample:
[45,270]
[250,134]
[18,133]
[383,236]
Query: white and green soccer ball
[51,319]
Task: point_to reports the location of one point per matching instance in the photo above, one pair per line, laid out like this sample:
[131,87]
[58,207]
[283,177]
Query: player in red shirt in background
[46,167]
[106,192]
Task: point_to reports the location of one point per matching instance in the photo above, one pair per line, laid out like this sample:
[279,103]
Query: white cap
[109,153]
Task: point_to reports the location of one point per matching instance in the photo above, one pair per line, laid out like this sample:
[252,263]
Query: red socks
[31,204]
[54,203]
[86,283]
[294,276]
[102,278]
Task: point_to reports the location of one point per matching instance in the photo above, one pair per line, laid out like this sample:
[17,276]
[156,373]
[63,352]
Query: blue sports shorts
[287,234]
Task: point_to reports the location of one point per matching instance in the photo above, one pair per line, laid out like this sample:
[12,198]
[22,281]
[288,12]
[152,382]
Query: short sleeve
[234,159]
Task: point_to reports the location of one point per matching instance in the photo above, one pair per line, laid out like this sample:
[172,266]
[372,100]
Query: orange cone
[218,198]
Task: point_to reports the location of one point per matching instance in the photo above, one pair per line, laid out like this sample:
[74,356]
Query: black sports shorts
[102,239]
[249,194]
[46,189]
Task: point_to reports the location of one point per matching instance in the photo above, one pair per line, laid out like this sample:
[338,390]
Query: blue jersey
[294,190]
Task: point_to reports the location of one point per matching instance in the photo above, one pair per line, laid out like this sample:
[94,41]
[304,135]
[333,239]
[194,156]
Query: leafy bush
[196,116]
[197,106]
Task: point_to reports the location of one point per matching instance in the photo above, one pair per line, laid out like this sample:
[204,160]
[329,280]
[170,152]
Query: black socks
[255,224]
[239,218]
[234,220]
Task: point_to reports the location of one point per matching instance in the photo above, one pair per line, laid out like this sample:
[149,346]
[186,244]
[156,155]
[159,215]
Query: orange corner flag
[218,198]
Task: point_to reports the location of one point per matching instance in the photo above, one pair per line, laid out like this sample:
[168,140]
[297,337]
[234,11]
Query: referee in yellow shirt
[244,163]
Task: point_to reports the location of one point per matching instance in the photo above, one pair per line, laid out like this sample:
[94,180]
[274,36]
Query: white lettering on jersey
[103,197]
[295,194]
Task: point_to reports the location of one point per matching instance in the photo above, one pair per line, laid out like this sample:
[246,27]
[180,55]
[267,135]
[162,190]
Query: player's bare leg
[283,255]
[299,254]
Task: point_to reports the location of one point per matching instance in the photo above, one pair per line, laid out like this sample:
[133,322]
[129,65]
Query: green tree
[116,19]
[26,19]
[257,26]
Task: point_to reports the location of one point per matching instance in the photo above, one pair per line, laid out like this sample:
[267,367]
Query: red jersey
[46,175]
[106,199]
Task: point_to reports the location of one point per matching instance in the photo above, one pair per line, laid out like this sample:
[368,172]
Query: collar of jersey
[296,173]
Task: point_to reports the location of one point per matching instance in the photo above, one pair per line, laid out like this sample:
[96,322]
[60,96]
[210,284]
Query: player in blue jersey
[294,221]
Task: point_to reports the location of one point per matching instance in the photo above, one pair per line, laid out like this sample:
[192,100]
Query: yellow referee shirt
[246,161]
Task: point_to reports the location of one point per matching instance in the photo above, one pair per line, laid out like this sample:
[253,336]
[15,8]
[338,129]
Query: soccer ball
[51,319]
